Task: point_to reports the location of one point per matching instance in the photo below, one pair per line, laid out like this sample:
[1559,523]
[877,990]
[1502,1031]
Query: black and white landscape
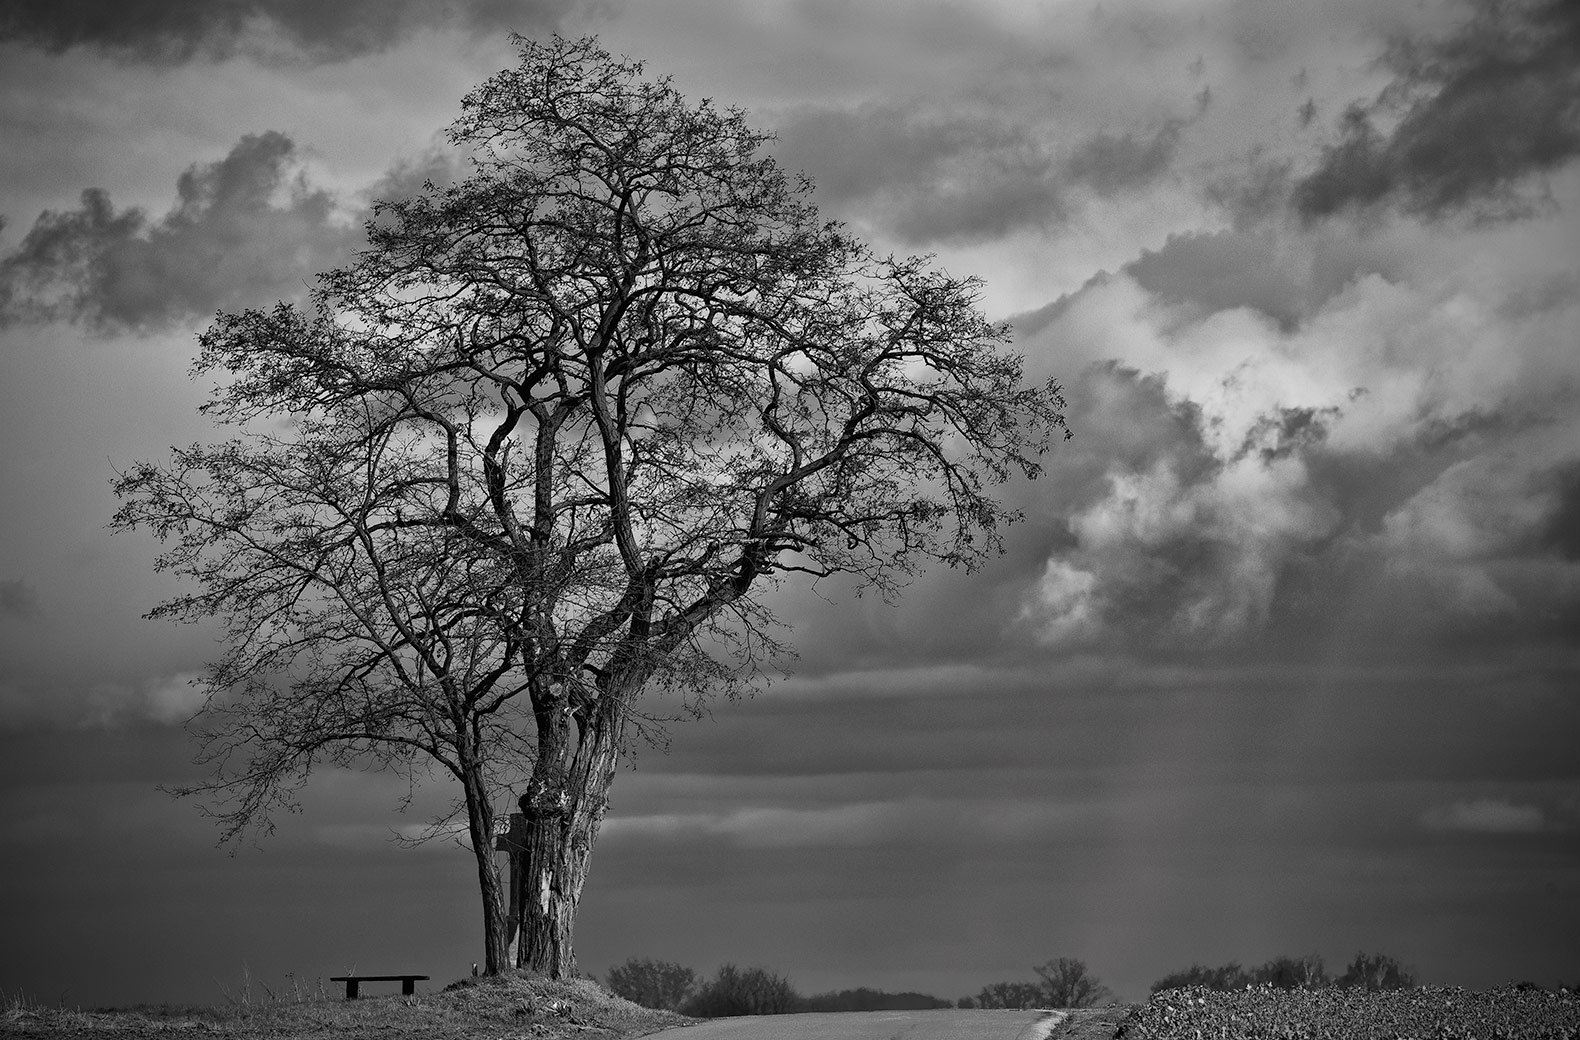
[1283,659]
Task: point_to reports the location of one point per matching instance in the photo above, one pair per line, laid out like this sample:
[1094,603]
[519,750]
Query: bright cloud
[1263,405]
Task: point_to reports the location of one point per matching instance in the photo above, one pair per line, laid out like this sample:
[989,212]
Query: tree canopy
[547,443]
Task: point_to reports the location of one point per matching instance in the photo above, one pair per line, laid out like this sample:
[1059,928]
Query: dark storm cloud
[931,175]
[1478,113]
[1222,270]
[927,175]
[1252,190]
[408,176]
[178,30]
[1289,281]
[1111,164]
[18,599]
[248,228]
[1562,531]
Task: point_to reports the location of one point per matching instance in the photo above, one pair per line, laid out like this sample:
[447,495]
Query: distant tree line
[864,999]
[1063,982]
[750,991]
[732,991]
[1368,971]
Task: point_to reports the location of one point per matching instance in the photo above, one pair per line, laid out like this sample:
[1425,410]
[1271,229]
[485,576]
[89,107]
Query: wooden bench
[408,983]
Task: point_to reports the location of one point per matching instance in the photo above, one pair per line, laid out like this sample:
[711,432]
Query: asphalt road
[943,1024]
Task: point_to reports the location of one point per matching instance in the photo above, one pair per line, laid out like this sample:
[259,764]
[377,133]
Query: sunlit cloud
[1250,404]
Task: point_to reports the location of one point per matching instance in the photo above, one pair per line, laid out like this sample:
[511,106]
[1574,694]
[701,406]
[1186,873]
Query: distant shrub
[1229,976]
[1305,972]
[1375,971]
[1012,995]
[966,1003]
[662,985]
[755,991]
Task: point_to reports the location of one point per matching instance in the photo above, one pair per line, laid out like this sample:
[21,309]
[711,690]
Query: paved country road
[943,1024]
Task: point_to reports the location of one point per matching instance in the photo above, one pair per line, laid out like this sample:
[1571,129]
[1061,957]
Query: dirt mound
[516,1005]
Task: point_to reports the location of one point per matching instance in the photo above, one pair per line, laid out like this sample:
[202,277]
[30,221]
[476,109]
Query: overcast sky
[1285,659]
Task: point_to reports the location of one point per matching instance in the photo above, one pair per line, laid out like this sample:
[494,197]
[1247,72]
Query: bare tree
[546,444]
[1066,983]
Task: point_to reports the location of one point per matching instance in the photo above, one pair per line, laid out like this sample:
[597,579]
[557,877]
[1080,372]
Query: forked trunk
[562,810]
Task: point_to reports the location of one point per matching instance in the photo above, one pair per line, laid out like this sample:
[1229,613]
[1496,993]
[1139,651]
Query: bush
[755,991]
[662,985]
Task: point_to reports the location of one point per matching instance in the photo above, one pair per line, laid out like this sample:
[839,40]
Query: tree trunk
[480,827]
[564,806]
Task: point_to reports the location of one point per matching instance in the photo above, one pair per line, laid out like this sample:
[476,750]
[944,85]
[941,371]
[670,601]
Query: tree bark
[480,826]
[564,806]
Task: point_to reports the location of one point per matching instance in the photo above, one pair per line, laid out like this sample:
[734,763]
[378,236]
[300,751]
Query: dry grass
[513,1006]
[1091,1023]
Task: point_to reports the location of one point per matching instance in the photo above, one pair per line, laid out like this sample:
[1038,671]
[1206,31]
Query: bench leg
[408,987]
[351,989]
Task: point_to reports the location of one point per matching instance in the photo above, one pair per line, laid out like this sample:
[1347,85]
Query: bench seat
[408,983]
